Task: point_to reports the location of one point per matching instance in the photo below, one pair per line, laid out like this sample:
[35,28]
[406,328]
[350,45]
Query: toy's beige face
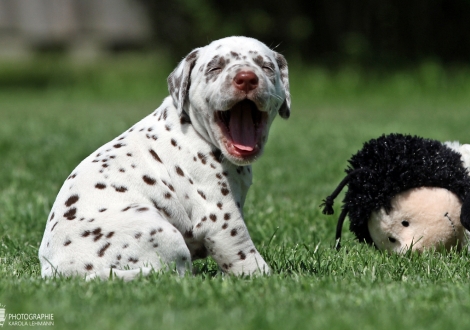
[421,218]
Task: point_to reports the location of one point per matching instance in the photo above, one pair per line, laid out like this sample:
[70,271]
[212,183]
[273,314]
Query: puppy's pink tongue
[242,128]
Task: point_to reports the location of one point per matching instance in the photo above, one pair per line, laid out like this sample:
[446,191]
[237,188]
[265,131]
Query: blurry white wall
[80,27]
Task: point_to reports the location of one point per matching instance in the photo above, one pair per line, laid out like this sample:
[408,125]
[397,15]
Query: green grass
[54,113]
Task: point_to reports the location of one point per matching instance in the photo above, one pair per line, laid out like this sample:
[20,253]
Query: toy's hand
[465,213]
[465,151]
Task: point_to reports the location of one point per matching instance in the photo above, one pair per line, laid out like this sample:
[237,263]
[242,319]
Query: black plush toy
[406,192]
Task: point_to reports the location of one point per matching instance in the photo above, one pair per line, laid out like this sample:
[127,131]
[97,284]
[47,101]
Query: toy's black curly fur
[394,163]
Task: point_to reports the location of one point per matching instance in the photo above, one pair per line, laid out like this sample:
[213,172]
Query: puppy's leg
[234,251]
[124,244]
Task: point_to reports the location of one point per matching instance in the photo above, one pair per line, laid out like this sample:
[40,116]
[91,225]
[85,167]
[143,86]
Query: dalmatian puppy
[171,189]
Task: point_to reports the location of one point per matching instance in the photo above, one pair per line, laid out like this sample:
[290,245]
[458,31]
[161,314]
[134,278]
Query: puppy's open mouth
[242,127]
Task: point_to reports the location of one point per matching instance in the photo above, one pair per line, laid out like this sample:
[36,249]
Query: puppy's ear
[284,110]
[180,80]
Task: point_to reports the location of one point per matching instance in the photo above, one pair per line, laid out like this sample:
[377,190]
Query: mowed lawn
[66,111]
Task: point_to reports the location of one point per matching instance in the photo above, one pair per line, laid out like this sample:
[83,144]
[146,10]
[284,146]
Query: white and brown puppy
[171,189]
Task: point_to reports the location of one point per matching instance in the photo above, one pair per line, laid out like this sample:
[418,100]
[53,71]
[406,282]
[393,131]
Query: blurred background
[126,48]
[385,33]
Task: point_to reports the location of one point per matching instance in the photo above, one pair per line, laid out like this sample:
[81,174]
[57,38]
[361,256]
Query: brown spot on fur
[103,249]
[233,232]
[202,157]
[100,186]
[67,242]
[120,189]
[235,54]
[213,217]
[70,214]
[258,60]
[202,194]
[72,200]
[88,266]
[155,155]
[179,171]
[168,185]
[148,180]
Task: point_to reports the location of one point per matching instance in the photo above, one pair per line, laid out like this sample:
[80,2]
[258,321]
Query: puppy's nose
[246,81]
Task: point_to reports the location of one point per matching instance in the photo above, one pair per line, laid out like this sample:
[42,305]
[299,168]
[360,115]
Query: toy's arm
[463,149]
